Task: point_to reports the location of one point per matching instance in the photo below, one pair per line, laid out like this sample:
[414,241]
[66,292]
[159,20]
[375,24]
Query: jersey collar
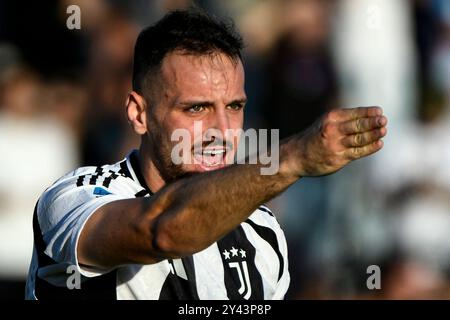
[134,169]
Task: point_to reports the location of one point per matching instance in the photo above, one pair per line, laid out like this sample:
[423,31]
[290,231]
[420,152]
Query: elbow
[170,241]
[163,244]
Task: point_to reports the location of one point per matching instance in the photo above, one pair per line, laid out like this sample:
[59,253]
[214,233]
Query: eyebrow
[210,103]
[239,101]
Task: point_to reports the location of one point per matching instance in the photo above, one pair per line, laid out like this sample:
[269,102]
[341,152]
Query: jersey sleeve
[284,282]
[267,219]
[62,212]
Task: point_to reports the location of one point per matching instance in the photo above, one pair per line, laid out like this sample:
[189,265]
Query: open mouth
[211,158]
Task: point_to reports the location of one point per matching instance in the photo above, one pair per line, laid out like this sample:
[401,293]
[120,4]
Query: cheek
[179,130]
[239,120]
[161,133]
[236,125]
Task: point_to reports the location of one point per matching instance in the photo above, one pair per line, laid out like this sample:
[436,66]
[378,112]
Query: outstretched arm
[192,213]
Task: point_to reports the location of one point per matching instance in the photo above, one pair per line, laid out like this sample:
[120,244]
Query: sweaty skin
[189,213]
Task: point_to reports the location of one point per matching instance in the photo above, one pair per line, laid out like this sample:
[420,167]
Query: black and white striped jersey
[248,263]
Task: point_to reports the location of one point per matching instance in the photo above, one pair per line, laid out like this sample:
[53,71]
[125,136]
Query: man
[148,228]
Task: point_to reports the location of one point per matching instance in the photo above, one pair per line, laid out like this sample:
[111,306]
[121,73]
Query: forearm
[182,218]
[201,209]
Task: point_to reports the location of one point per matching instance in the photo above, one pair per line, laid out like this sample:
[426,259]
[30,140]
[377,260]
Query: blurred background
[62,96]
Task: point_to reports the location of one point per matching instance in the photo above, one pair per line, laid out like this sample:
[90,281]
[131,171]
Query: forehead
[202,74]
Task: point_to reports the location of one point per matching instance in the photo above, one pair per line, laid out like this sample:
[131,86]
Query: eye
[235,106]
[196,108]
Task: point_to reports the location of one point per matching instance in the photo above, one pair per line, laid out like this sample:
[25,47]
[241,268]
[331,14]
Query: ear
[136,106]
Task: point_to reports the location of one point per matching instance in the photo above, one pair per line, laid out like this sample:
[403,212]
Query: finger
[360,152]
[362,139]
[362,125]
[360,112]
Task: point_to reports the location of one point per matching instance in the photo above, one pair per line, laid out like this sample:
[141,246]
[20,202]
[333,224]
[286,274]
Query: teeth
[213,152]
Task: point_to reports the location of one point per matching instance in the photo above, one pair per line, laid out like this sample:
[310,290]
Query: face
[204,96]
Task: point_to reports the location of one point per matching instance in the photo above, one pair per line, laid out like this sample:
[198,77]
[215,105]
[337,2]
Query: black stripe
[99,288]
[177,288]
[134,161]
[114,175]
[80,180]
[266,210]
[141,193]
[43,259]
[124,169]
[93,179]
[270,236]
[107,181]
[237,239]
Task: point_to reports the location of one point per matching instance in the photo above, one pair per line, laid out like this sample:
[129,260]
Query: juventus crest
[236,260]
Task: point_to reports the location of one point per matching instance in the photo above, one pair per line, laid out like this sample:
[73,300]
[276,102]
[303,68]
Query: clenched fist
[340,136]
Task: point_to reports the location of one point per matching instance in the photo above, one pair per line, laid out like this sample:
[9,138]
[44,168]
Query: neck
[151,174]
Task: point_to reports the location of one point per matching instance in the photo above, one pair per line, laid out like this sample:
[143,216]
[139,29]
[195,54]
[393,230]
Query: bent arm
[182,218]
[190,214]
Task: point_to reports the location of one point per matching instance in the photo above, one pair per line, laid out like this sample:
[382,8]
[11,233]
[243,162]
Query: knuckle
[356,152]
[327,129]
[358,139]
[331,115]
[358,125]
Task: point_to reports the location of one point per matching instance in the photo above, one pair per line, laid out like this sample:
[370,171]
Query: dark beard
[161,156]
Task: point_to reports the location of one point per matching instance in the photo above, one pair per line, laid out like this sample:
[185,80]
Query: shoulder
[82,189]
[263,225]
[263,217]
[112,178]
[265,209]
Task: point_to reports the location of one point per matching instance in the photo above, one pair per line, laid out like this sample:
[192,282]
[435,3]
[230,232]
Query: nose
[221,122]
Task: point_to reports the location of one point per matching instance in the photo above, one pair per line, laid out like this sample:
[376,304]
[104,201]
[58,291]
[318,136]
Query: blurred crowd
[62,95]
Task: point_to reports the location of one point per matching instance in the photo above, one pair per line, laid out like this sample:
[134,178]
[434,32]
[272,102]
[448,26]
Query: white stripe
[236,266]
[210,283]
[130,168]
[263,219]
[247,281]
[179,268]
[283,283]
[267,208]
[142,282]
[266,260]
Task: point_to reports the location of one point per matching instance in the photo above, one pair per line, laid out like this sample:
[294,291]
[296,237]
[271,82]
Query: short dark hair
[191,31]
